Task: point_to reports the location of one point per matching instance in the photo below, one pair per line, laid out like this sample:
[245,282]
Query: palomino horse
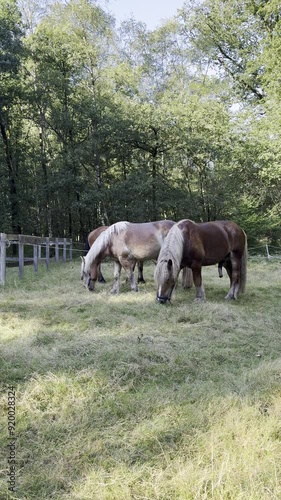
[196,245]
[92,236]
[126,243]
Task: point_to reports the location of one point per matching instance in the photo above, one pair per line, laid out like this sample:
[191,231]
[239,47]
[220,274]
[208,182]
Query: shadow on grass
[67,331]
[106,381]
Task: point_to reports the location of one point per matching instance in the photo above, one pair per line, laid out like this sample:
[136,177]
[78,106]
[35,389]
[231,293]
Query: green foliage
[11,92]
[99,125]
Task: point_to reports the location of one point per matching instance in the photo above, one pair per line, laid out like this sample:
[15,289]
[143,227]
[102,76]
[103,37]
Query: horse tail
[243,272]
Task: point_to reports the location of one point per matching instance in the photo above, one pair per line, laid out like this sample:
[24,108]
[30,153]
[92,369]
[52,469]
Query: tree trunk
[48,220]
[154,189]
[16,228]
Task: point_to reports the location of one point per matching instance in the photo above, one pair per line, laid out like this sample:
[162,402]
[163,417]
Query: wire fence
[265,251]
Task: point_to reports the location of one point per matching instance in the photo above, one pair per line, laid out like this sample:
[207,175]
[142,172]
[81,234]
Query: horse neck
[95,251]
[99,249]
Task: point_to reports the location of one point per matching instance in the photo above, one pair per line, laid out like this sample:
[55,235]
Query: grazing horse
[204,244]
[92,236]
[126,243]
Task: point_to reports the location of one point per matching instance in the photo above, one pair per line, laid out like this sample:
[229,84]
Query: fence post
[47,253]
[21,257]
[267,251]
[2,258]
[64,249]
[35,258]
[57,250]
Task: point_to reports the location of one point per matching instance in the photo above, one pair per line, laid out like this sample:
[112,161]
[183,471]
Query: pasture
[119,397]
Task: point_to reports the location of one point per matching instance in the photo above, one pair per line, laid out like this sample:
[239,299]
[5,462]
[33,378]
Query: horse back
[142,240]
[236,235]
[209,242]
[93,235]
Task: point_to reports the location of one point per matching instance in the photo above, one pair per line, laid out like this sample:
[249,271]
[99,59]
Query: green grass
[121,398]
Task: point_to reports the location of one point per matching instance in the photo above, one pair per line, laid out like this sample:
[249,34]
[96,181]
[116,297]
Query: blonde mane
[102,242]
[172,249]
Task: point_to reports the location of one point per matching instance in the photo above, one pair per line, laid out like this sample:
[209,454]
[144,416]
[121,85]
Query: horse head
[165,280]
[86,276]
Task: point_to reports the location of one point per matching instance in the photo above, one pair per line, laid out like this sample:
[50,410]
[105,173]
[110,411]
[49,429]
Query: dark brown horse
[92,236]
[126,243]
[196,245]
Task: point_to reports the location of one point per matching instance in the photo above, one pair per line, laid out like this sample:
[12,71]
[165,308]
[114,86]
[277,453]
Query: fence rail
[38,243]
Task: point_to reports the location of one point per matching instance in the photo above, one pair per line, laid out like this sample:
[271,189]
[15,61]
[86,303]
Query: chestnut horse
[92,236]
[126,243]
[204,244]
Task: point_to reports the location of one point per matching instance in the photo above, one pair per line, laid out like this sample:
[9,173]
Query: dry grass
[121,398]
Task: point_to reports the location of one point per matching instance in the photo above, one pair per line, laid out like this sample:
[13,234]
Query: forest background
[99,124]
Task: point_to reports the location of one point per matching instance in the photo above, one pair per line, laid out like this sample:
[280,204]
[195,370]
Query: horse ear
[169,264]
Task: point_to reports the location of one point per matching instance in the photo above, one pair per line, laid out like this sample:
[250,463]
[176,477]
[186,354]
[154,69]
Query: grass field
[118,397]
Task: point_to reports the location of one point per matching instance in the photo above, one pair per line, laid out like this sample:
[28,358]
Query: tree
[11,54]
[241,43]
[67,59]
[227,38]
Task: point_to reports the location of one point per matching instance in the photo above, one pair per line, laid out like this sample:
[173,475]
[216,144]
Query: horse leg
[100,275]
[187,280]
[117,272]
[129,266]
[233,270]
[220,264]
[197,278]
[140,272]
[228,267]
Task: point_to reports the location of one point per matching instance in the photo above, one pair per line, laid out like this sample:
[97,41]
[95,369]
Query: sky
[151,12]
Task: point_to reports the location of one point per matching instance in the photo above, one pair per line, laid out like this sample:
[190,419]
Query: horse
[203,244]
[126,243]
[92,236]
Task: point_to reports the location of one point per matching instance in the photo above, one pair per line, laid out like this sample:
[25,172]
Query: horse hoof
[230,297]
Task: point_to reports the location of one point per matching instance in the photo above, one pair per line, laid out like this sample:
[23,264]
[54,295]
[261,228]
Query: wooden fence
[38,244]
